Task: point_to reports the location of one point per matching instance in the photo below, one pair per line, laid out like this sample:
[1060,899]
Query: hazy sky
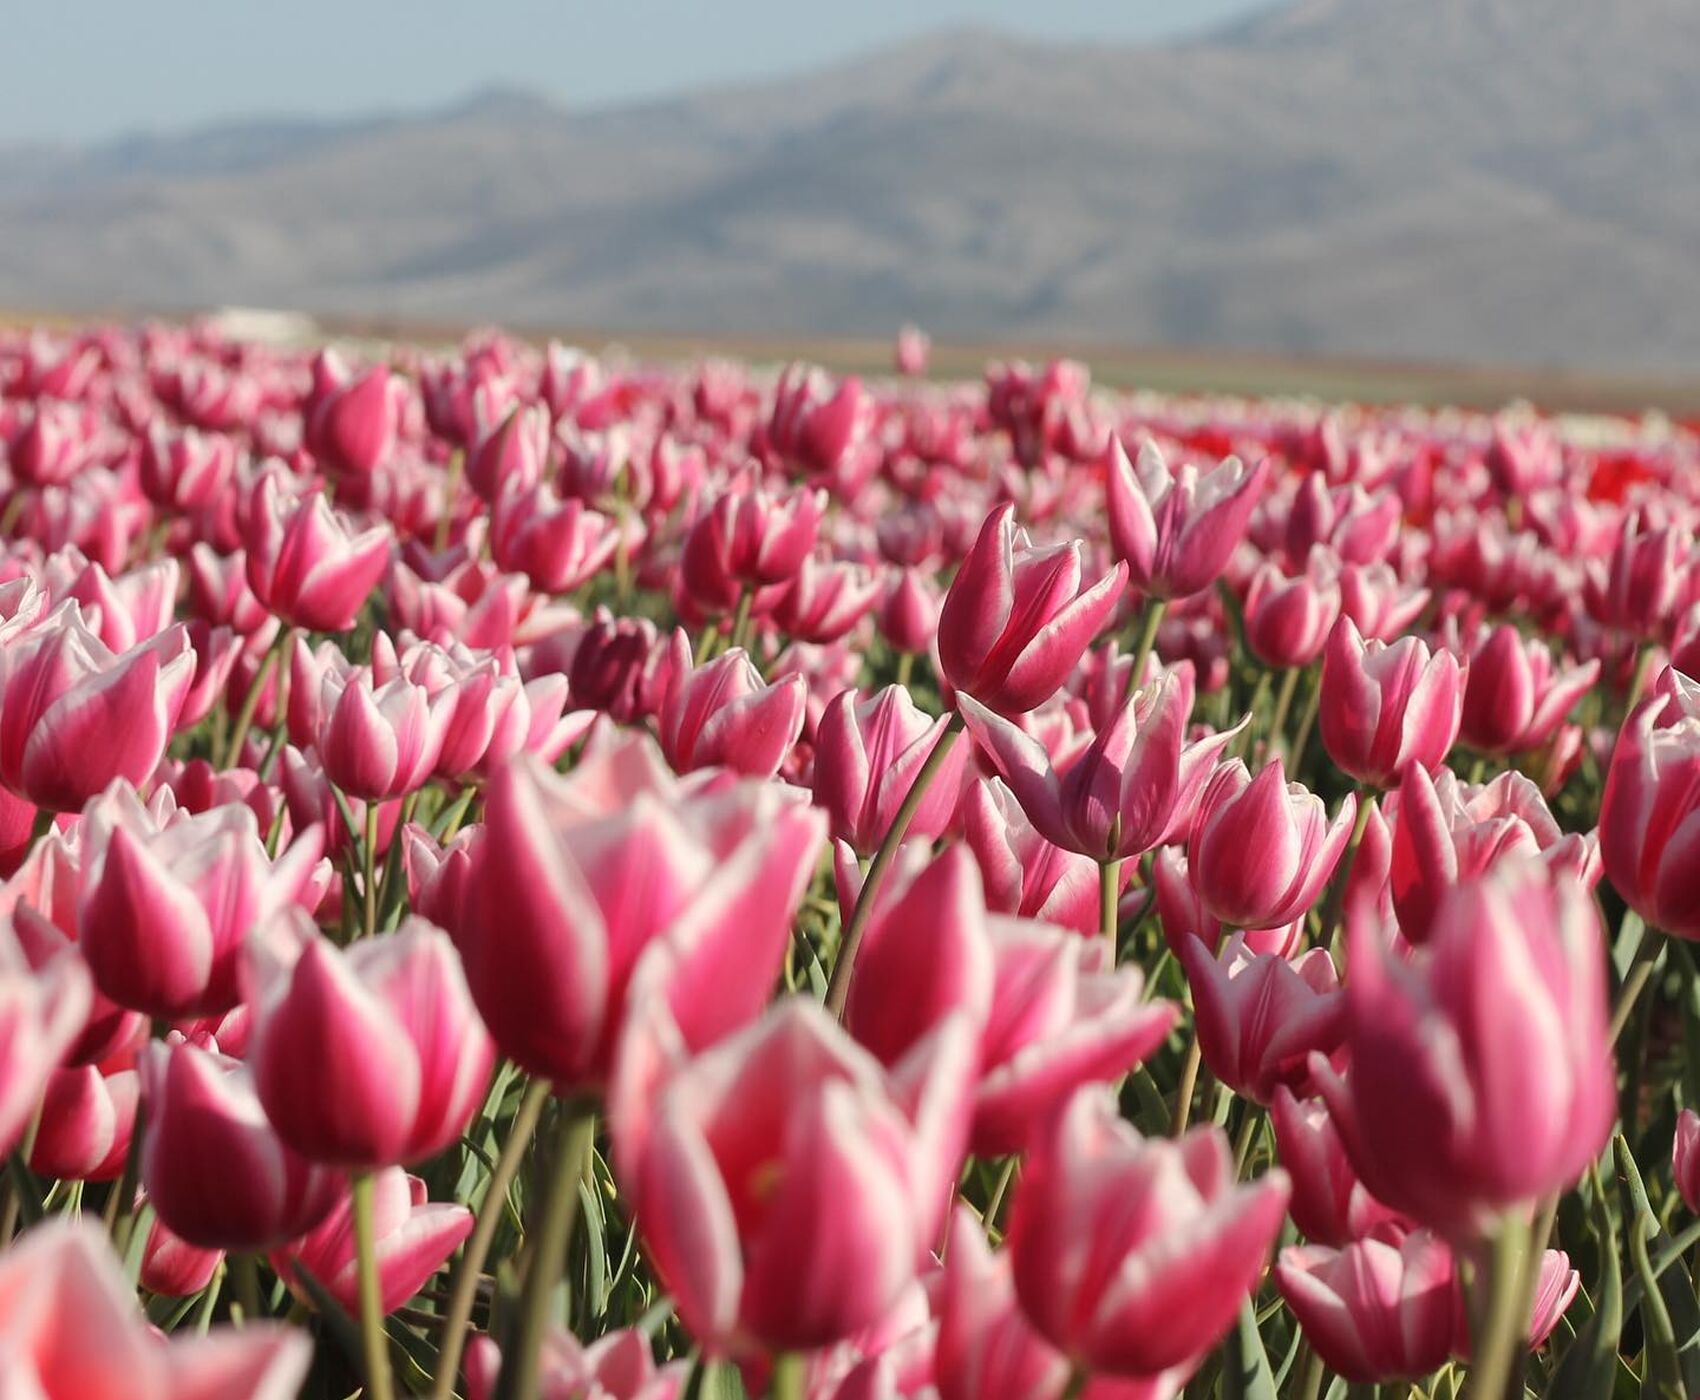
[89,68]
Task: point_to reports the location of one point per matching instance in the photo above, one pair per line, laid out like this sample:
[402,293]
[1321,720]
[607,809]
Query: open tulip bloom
[531,875]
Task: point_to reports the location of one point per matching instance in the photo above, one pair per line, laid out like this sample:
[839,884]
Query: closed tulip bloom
[557,544]
[747,1140]
[1556,1286]
[185,470]
[1375,1311]
[867,753]
[1650,818]
[411,1239]
[1329,1205]
[571,881]
[164,912]
[305,563]
[1379,604]
[1260,1017]
[511,455]
[43,1010]
[85,1124]
[724,714]
[352,421]
[370,1056]
[1132,1255]
[1023,873]
[1184,918]
[1480,1075]
[616,1366]
[1639,587]
[1386,706]
[1119,795]
[71,1329]
[1177,529]
[1060,1017]
[107,1028]
[213,1166]
[1263,848]
[814,424]
[1515,699]
[383,742]
[129,609]
[1443,832]
[824,601]
[173,1267]
[75,715]
[909,612]
[1016,620]
[1685,1159]
[1287,620]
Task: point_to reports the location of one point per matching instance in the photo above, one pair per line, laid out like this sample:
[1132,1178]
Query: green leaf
[1589,1368]
[1668,1307]
[1246,1374]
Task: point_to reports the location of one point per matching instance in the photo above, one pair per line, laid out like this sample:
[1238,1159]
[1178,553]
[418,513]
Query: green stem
[905,668]
[1315,1371]
[838,989]
[1109,887]
[1503,1322]
[1249,1124]
[741,619]
[1306,723]
[490,1212]
[1640,969]
[251,701]
[370,890]
[788,1378]
[1343,876]
[1151,621]
[1000,1189]
[374,1343]
[457,466]
[1283,704]
[245,1275]
[1189,1081]
[522,1363]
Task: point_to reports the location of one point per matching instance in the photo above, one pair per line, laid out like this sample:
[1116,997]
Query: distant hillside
[1488,180]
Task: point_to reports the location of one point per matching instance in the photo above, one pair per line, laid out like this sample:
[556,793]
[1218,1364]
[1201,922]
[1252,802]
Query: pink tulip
[625,668]
[746,1141]
[724,714]
[1060,1017]
[509,455]
[867,753]
[412,1239]
[43,1010]
[214,1168]
[370,1056]
[750,537]
[1386,706]
[1377,602]
[1016,620]
[909,613]
[1514,698]
[1685,1159]
[1638,588]
[824,601]
[570,884]
[1263,848]
[86,1121]
[616,1366]
[1479,1073]
[70,1329]
[305,563]
[186,470]
[913,349]
[1360,527]
[352,421]
[1330,1205]
[1260,1017]
[1443,832]
[383,742]
[164,911]
[1184,917]
[815,424]
[1176,529]
[557,544]
[129,609]
[1023,873]
[1375,1311]
[173,1267]
[1287,620]
[1119,795]
[75,716]
[1650,818]
[1132,1256]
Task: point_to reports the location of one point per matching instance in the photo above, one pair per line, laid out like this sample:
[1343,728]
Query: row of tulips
[535,876]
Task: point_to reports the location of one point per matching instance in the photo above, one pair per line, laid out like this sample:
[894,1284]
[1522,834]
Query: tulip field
[529,875]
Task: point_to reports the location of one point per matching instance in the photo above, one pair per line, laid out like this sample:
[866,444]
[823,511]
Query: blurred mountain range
[1478,180]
